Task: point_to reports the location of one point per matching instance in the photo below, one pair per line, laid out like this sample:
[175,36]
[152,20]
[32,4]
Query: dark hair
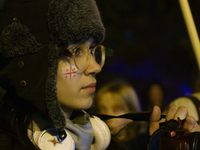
[15,119]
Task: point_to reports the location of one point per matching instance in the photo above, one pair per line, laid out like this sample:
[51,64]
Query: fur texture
[52,105]
[73,20]
[68,21]
[16,40]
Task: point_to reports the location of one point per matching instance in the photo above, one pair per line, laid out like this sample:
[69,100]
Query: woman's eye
[79,52]
[68,53]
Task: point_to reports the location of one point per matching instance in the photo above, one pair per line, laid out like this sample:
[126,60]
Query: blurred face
[156,95]
[76,88]
[120,128]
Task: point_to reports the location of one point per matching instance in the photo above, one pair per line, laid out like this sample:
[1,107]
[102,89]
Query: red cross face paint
[69,72]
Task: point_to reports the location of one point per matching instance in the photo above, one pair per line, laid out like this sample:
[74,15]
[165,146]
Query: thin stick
[191,28]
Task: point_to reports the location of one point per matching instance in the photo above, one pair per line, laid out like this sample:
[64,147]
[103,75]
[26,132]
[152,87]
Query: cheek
[69,72]
[66,80]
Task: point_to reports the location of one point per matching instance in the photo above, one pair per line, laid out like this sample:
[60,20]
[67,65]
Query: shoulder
[181,101]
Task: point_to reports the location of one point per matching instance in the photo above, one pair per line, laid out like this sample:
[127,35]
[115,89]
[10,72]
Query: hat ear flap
[17,40]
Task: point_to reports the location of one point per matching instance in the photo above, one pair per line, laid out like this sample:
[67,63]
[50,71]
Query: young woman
[49,75]
[50,53]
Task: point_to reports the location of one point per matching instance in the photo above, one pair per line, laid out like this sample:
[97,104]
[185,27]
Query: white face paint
[69,72]
[76,88]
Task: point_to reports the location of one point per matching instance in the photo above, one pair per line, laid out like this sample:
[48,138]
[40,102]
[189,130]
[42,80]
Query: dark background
[147,41]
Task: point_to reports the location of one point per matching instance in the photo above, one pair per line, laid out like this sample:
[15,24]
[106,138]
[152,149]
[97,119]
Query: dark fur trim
[69,21]
[55,112]
[16,40]
[73,20]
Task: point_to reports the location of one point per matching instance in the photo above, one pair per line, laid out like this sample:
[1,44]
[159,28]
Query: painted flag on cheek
[69,72]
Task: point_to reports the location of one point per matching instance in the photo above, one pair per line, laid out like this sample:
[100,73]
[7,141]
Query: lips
[91,87]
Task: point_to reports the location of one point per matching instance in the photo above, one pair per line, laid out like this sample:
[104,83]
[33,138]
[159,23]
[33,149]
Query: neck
[67,111]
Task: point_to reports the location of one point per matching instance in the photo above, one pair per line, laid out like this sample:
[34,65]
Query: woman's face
[156,95]
[76,88]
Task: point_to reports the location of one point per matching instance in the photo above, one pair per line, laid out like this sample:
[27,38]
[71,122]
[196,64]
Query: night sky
[147,41]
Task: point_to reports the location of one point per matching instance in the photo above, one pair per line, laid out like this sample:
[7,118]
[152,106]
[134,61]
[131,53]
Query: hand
[190,123]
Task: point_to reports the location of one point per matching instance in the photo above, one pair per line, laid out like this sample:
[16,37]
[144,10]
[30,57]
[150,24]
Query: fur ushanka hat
[30,32]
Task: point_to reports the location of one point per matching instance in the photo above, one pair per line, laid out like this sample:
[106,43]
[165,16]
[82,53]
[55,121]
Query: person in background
[156,97]
[117,98]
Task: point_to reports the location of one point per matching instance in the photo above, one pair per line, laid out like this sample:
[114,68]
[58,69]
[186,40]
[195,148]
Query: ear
[102,134]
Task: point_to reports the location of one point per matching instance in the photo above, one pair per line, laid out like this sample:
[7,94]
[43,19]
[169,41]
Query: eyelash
[67,53]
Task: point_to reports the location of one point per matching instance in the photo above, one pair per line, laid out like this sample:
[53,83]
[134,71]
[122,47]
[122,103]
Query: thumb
[154,120]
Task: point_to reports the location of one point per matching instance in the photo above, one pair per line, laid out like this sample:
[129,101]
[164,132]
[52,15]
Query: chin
[86,105]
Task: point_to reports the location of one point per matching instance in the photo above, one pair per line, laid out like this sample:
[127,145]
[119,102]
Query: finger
[171,113]
[182,113]
[154,120]
[196,128]
[189,123]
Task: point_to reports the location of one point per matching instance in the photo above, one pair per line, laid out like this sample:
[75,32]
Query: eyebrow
[82,42]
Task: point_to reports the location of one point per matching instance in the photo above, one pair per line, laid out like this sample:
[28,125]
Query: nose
[93,68]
